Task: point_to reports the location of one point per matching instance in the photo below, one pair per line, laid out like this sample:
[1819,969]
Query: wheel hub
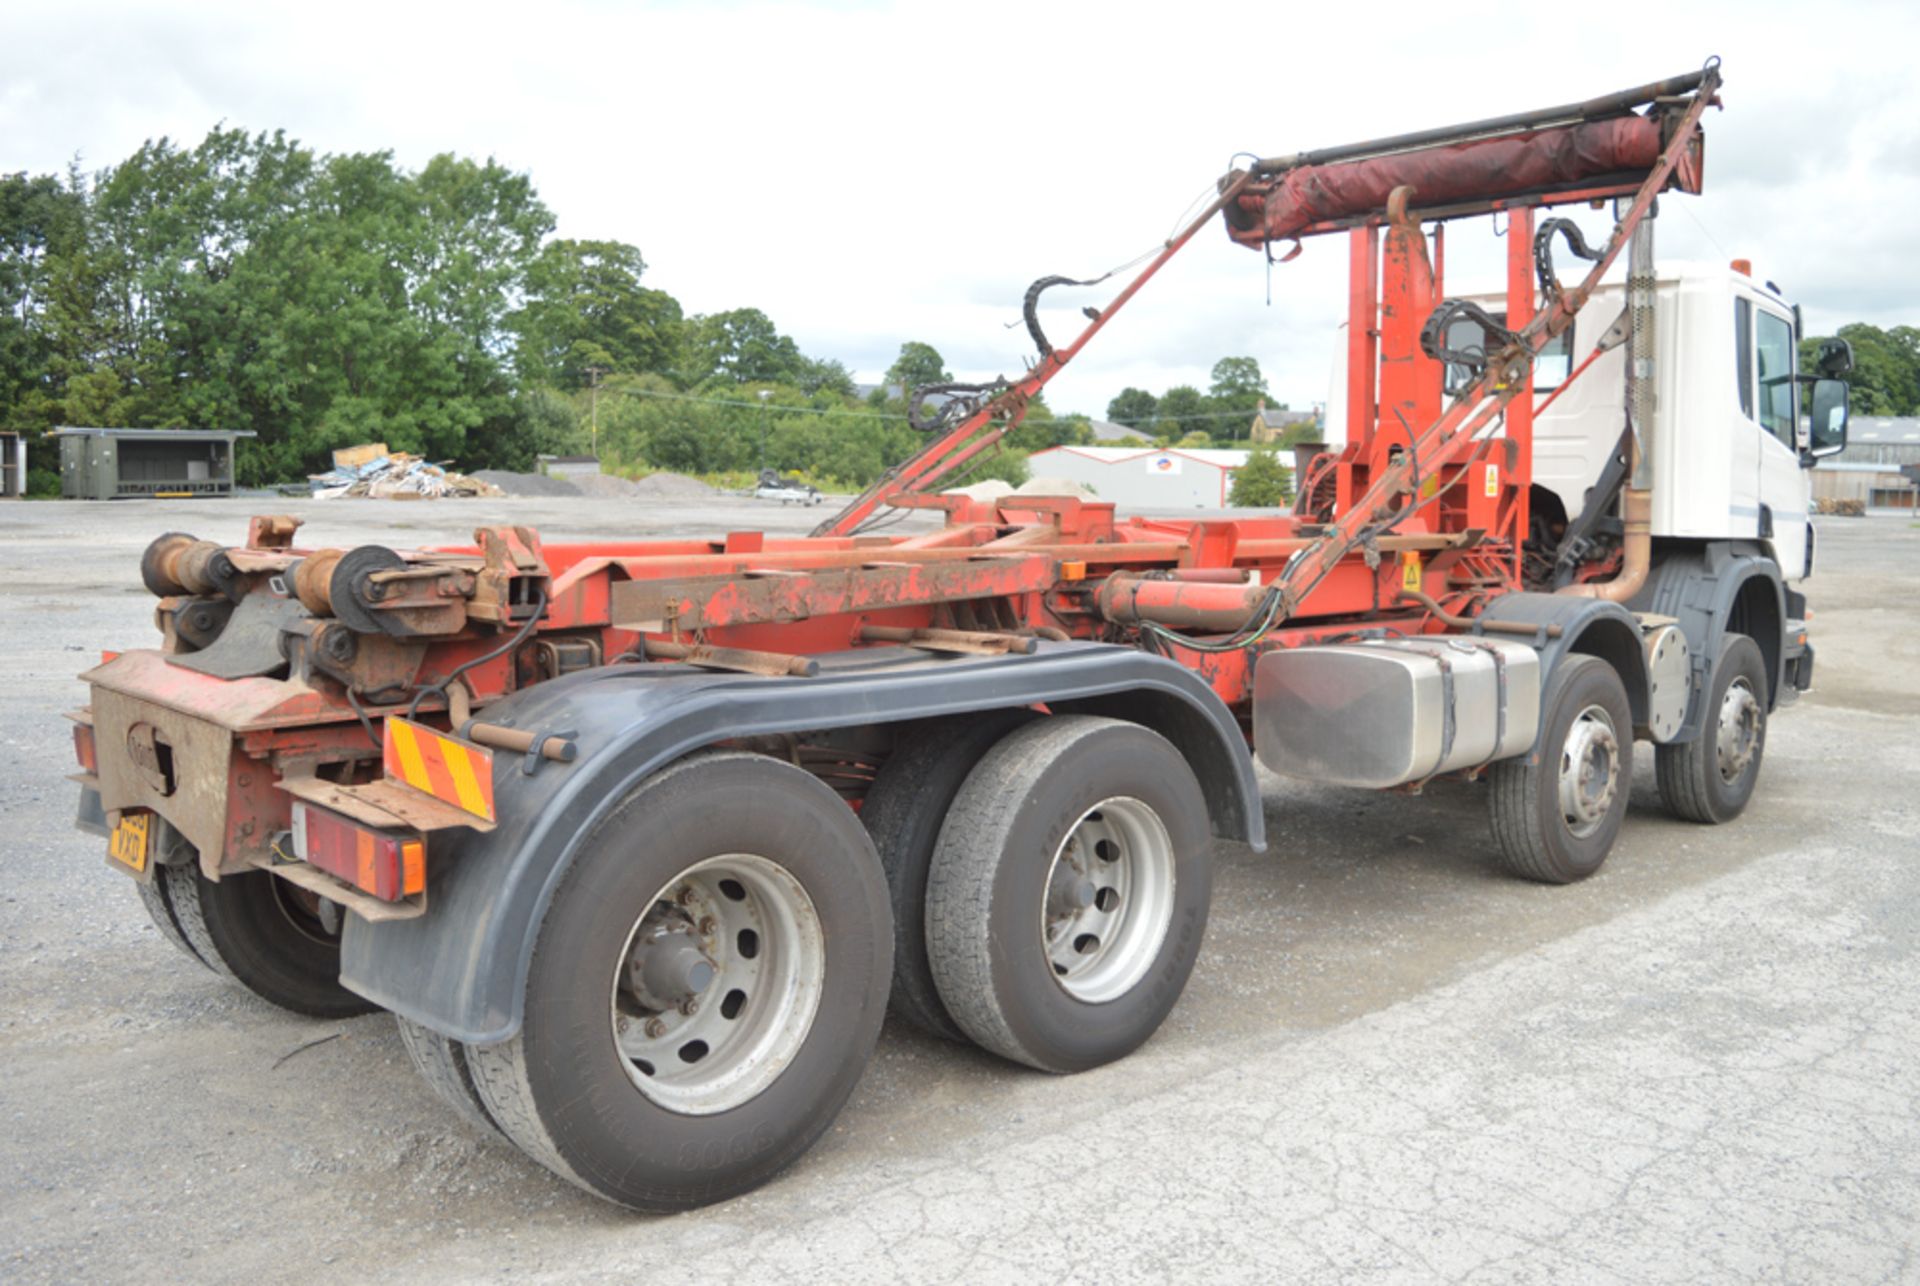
[1109,899]
[667,966]
[718,983]
[1589,771]
[1738,737]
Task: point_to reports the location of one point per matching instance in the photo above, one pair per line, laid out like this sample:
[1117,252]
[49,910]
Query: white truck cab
[1732,443]
[1731,451]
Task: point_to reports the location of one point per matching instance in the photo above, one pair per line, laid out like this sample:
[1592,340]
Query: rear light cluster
[387,864]
[83,749]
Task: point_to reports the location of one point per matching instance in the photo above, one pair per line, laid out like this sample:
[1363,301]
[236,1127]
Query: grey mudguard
[460,968]
[1590,626]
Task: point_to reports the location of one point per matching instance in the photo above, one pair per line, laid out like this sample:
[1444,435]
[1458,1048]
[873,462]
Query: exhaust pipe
[1636,502]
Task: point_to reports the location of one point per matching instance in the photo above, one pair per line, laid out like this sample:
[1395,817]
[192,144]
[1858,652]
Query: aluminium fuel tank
[1385,712]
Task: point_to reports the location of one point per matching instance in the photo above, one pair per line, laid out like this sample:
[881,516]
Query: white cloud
[868,174]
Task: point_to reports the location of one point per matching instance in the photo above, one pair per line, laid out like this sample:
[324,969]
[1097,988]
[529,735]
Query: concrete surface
[1392,1063]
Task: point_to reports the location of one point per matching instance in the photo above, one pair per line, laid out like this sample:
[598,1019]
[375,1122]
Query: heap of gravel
[673,486]
[602,485]
[527,484]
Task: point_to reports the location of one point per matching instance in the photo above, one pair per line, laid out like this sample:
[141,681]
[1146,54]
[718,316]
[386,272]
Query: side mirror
[1836,357]
[1831,403]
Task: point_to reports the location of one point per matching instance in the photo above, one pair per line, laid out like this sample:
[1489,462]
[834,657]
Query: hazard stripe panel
[450,770]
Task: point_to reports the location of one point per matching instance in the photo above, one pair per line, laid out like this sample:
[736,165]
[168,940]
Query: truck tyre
[1557,810]
[1711,778]
[903,811]
[704,991]
[1068,894]
[153,896]
[442,1064]
[261,931]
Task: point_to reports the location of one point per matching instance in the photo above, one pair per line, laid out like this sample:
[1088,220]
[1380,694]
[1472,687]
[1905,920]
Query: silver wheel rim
[1589,771]
[1109,900]
[716,986]
[1738,739]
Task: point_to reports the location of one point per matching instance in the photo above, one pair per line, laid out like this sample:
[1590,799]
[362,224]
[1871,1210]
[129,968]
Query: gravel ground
[1392,1063]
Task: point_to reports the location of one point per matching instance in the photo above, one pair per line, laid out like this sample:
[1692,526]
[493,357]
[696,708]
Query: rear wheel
[705,989]
[1557,810]
[442,1064]
[153,896]
[1069,892]
[903,811]
[278,941]
[1711,778]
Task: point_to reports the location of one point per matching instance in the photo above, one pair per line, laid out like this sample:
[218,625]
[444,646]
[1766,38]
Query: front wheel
[1069,892]
[1711,778]
[1557,810]
[705,989]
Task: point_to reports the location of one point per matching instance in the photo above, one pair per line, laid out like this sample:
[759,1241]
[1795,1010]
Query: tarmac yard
[1392,1061]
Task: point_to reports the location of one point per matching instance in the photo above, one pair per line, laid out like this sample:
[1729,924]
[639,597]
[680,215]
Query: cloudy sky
[869,173]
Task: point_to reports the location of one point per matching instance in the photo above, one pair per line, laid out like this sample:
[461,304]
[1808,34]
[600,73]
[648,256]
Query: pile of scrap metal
[373,471]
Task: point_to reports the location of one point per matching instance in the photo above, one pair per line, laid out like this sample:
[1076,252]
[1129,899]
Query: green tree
[828,376]
[741,346]
[39,220]
[585,308]
[1133,406]
[249,283]
[542,423]
[918,365]
[1183,409]
[1886,367]
[1262,482]
[1239,387]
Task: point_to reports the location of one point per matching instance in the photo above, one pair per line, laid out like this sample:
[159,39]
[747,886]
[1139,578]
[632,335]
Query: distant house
[1878,467]
[1272,426]
[1108,431]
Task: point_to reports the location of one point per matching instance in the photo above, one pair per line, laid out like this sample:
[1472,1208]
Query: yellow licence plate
[131,840]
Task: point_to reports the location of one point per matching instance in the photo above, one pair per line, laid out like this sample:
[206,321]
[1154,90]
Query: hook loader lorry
[639,840]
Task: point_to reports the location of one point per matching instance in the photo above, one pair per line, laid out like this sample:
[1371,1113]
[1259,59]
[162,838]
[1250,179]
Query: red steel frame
[1452,480]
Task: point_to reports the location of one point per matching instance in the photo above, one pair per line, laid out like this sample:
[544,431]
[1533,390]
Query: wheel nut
[621,1026]
[708,924]
[686,896]
[690,1006]
[656,1028]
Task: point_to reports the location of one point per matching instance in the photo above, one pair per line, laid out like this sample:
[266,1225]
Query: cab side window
[1550,369]
[1773,347]
[1743,353]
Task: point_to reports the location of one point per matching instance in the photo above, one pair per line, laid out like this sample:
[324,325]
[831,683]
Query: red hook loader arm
[640,839]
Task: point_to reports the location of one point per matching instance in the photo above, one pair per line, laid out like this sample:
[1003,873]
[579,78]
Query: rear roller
[705,990]
[1069,892]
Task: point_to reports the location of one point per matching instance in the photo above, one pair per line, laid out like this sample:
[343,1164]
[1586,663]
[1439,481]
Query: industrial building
[111,464]
[1870,470]
[1138,479]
